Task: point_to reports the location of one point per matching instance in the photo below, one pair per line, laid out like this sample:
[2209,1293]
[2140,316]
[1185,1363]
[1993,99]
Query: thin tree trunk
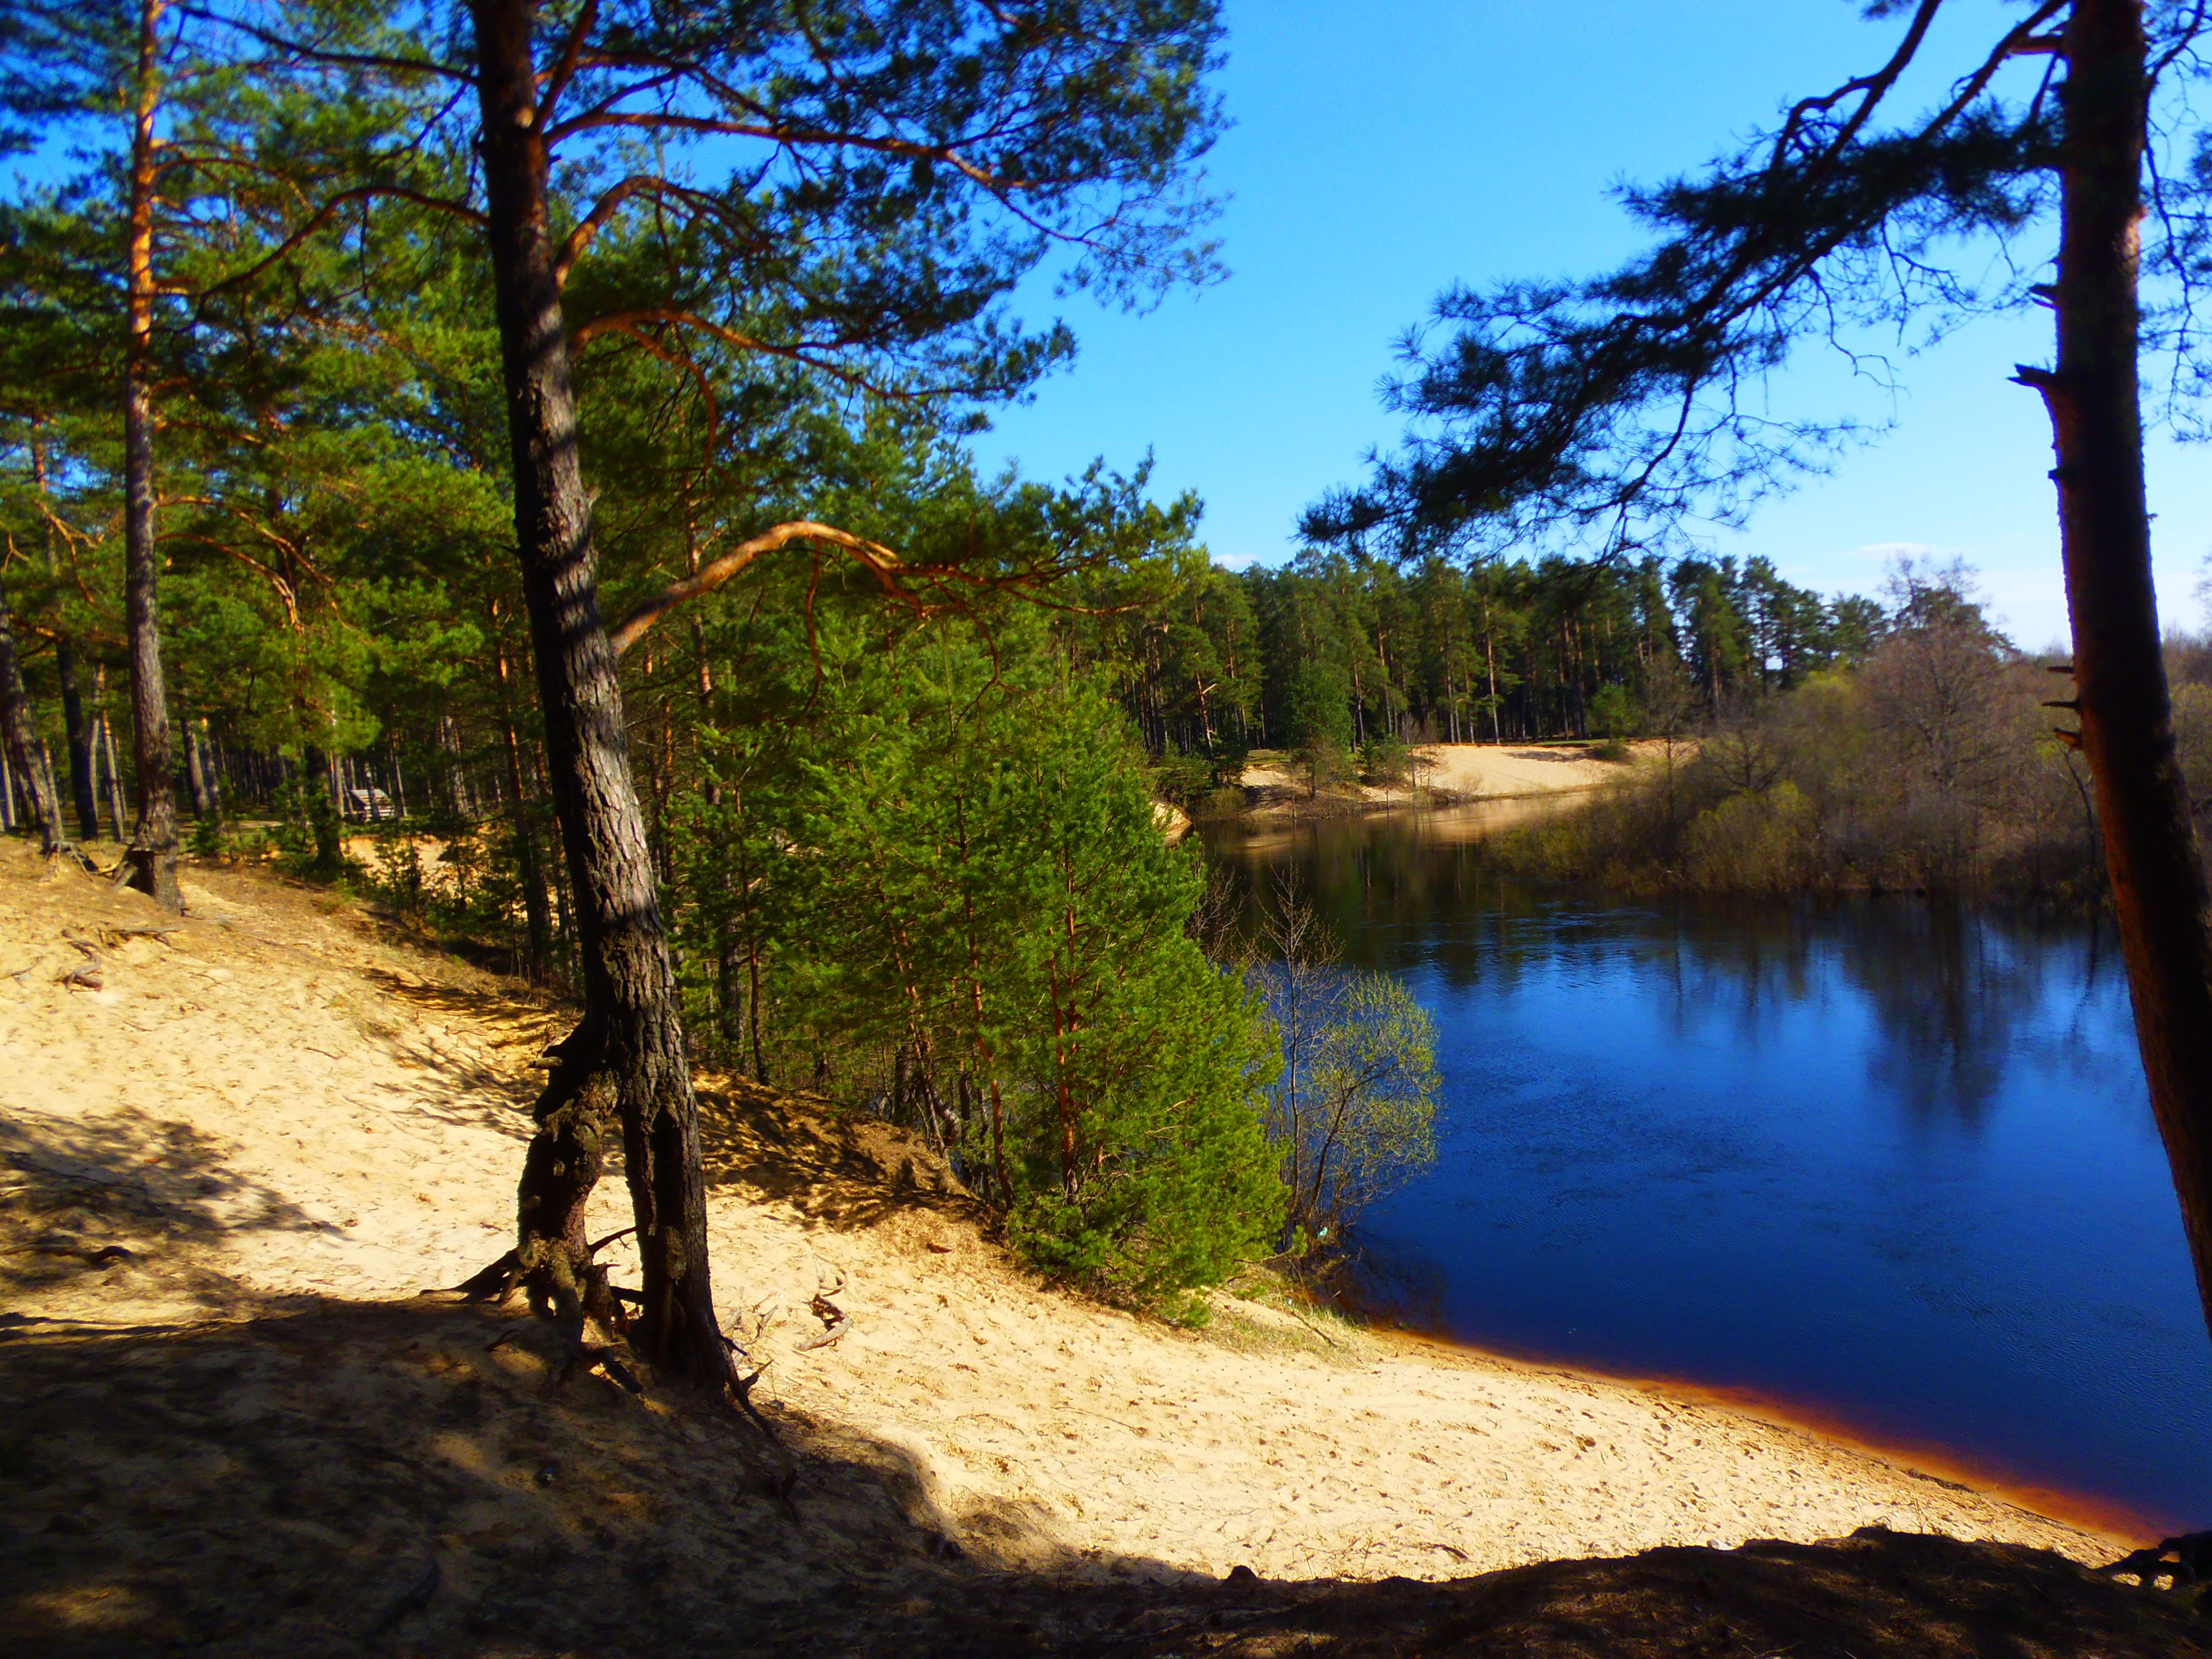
[151,858]
[211,764]
[628,1055]
[79,735]
[114,775]
[196,772]
[2158,892]
[536,909]
[20,735]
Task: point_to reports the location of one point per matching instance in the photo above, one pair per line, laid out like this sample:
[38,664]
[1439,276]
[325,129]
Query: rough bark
[20,735]
[2121,700]
[151,857]
[627,1054]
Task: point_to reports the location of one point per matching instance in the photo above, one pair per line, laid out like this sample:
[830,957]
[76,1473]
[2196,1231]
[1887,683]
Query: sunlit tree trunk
[2158,883]
[151,856]
[626,1061]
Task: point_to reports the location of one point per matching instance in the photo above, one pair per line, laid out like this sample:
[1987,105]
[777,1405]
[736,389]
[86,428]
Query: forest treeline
[1347,649]
[1931,763]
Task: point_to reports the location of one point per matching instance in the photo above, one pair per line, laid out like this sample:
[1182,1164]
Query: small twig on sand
[1314,1329]
[836,1321]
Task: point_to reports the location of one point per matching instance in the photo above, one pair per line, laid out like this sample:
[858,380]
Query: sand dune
[273,1099]
[1456,772]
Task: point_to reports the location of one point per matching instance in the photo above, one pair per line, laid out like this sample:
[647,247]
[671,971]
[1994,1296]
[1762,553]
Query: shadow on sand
[345,1479]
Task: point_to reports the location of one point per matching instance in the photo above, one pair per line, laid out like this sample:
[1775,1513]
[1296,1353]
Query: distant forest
[1349,649]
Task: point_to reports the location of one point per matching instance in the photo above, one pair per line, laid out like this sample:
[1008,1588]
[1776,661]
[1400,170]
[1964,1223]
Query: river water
[1886,1165]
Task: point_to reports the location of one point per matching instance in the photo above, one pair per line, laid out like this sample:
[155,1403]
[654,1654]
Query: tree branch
[886,565]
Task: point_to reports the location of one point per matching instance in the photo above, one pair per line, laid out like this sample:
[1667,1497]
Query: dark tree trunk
[627,1056]
[20,735]
[151,857]
[114,776]
[2127,734]
[76,731]
[79,733]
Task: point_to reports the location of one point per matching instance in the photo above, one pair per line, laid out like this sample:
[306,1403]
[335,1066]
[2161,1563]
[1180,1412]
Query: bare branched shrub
[1353,1114]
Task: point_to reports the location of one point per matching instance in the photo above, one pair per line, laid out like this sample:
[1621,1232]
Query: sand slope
[273,1101]
[1456,772]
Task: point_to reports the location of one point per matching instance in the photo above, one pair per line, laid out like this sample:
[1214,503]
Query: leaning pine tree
[889,168]
[1612,406]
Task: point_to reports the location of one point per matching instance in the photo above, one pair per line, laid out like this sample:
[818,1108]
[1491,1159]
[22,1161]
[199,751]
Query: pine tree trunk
[2158,881]
[20,735]
[196,774]
[627,1058]
[114,775]
[151,857]
[77,733]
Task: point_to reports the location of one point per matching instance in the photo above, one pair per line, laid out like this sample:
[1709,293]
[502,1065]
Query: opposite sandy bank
[1448,773]
[272,1102]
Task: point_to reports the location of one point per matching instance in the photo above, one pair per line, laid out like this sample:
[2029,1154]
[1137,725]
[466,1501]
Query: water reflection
[1887,1158]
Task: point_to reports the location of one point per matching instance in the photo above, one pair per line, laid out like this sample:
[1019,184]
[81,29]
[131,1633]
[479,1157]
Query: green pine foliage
[954,900]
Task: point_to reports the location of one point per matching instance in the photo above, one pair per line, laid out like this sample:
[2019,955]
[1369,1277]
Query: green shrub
[1754,843]
[1386,762]
[1613,712]
[1181,779]
[1322,764]
[963,909]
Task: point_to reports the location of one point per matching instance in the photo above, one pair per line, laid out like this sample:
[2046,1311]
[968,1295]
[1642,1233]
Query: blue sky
[1381,151]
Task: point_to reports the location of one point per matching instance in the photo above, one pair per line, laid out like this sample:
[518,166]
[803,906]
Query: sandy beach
[1452,773]
[316,1110]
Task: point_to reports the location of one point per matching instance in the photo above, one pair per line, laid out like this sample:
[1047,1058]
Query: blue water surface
[1886,1160]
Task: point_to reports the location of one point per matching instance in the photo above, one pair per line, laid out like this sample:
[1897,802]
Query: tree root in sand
[598,1301]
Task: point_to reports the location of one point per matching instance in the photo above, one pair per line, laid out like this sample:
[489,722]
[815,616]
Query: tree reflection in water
[1886,1157]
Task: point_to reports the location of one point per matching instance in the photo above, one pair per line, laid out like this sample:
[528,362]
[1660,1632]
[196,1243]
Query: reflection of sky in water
[1889,1160]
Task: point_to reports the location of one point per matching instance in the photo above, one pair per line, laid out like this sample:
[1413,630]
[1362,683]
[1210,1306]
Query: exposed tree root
[557,1268]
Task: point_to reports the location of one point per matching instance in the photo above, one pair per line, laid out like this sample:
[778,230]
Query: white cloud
[1236,561]
[1883,552]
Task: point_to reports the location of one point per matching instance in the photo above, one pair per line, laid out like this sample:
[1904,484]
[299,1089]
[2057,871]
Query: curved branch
[886,565]
[564,69]
[638,184]
[689,365]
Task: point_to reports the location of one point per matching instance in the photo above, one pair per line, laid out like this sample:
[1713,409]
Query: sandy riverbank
[300,1107]
[1449,773]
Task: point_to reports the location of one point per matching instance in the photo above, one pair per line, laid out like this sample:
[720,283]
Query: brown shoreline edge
[2126,1526]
